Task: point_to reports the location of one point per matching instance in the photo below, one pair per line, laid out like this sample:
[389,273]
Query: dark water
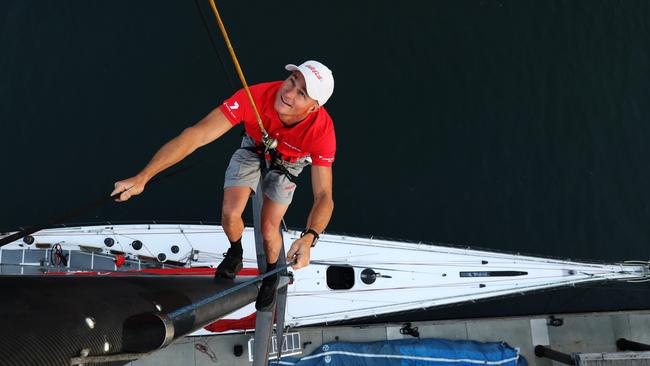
[510,125]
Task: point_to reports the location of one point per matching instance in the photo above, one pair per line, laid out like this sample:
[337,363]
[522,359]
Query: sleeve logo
[234,106]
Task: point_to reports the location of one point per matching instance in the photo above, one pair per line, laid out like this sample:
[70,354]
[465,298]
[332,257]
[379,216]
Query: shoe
[266,296]
[230,265]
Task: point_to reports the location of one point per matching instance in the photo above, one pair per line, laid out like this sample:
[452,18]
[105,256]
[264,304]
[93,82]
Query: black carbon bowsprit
[47,320]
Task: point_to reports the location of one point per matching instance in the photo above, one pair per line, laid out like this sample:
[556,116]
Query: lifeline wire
[83,208]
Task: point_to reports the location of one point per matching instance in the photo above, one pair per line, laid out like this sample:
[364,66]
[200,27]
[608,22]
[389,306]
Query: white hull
[408,276]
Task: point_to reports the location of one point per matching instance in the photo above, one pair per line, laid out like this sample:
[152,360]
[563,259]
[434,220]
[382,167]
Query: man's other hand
[299,252]
[129,187]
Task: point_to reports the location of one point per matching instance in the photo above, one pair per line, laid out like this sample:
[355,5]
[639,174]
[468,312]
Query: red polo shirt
[313,136]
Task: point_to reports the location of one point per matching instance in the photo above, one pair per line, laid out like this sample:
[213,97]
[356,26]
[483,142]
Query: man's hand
[129,187]
[300,252]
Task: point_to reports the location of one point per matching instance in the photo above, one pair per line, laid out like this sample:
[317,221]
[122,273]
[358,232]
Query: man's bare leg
[272,213]
[234,203]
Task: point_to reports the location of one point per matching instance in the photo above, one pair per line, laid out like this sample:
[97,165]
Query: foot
[230,265]
[266,296]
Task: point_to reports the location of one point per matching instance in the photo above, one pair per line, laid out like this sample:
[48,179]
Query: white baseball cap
[319,79]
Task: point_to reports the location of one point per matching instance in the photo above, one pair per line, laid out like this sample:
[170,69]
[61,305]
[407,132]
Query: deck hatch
[340,277]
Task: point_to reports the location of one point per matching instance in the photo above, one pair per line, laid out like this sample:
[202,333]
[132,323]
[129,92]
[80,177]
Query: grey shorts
[244,171]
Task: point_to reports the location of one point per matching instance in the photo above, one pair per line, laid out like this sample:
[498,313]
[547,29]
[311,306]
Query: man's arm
[321,211]
[319,217]
[210,128]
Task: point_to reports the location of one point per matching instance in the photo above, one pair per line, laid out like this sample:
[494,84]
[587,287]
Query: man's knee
[234,203]
[230,216]
[270,229]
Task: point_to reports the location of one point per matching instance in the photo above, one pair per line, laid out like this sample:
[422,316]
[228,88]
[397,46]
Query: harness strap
[274,162]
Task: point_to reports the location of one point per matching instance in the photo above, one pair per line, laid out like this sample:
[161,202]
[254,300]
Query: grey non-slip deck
[579,333]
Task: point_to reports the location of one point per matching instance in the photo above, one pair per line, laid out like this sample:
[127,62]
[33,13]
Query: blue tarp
[410,352]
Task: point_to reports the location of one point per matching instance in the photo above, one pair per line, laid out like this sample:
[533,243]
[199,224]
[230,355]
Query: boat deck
[594,332]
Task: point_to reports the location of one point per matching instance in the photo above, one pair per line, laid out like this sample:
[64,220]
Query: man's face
[291,101]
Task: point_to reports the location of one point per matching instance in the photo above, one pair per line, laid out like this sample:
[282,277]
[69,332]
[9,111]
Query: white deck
[410,276]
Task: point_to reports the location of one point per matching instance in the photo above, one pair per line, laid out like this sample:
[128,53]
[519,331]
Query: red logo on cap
[313,69]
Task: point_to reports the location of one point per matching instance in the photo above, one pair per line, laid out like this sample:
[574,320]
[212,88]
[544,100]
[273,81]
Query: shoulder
[265,88]
[238,106]
[324,123]
[264,94]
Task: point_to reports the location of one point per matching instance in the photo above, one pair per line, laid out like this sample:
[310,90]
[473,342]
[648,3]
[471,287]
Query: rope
[204,348]
[269,143]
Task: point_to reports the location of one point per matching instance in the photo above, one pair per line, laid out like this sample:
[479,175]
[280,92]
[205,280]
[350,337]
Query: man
[292,113]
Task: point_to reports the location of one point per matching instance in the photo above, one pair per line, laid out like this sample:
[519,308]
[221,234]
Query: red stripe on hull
[223,325]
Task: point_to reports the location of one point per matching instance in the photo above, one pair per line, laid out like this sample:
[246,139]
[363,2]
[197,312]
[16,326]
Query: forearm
[171,153]
[210,128]
[319,217]
[206,130]
[321,213]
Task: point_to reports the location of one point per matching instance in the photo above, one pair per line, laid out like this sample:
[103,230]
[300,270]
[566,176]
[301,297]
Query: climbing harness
[275,162]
